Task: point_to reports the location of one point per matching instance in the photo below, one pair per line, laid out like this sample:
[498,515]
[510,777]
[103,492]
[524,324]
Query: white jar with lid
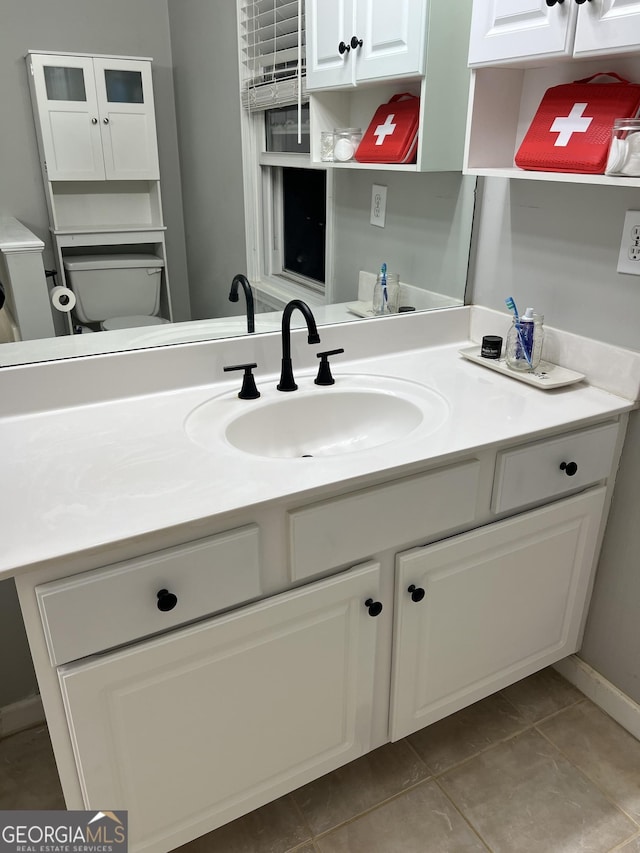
[345,143]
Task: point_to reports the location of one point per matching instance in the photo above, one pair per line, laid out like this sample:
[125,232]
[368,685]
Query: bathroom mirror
[193,44]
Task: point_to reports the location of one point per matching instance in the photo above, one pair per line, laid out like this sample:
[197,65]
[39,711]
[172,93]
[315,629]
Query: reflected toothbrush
[383,282]
[511,305]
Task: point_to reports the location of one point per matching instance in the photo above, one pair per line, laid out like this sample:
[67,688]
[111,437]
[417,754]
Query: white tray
[546,375]
[360,309]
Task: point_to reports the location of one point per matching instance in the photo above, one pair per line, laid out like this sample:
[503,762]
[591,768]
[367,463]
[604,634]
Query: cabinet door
[509,30]
[500,603]
[68,117]
[609,26]
[393,39]
[194,728]
[328,23]
[127,119]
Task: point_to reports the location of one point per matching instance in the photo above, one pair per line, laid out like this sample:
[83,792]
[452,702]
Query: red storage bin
[392,136]
[571,130]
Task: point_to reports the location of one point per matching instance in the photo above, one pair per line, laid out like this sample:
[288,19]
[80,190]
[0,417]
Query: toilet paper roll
[63,299]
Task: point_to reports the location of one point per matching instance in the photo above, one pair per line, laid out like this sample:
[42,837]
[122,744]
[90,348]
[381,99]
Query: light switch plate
[629,257]
[378,205]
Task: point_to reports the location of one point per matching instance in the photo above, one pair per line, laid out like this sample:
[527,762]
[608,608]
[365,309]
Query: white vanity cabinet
[393,605]
[512,30]
[354,41]
[476,612]
[95,116]
[197,726]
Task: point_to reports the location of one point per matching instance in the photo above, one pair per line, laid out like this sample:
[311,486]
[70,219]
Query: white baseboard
[21,715]
[602,693]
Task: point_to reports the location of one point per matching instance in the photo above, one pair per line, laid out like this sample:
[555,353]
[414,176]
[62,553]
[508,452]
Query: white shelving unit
[95,125]
[502,103]
[443,89]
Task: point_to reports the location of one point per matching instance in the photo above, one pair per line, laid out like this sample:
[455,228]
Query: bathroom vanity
[214,624]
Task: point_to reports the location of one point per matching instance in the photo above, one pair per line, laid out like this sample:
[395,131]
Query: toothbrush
[511,305]
[383,282]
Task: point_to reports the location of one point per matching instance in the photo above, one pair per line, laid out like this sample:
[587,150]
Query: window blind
[273,53]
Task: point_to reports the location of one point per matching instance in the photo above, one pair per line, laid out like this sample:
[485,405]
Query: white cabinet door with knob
[352,41]
[481,610]
[508,31]
[95,117]
[195,727]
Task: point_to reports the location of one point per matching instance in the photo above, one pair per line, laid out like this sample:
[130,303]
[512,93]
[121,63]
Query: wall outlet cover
[379,205]
[629,257]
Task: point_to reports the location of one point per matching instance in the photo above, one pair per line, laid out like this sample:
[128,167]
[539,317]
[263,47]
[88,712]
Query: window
[287,234]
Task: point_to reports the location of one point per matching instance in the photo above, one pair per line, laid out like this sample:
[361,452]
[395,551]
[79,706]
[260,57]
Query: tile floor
[536,768]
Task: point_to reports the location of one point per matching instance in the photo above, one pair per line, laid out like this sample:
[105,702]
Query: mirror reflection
[149,236]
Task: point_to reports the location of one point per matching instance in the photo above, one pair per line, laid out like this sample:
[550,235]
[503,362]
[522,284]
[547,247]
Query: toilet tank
[114,285]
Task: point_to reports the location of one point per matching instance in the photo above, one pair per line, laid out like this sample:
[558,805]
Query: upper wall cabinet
[95,117]
[362,52]
[508,31]
[521,48]
[353,41]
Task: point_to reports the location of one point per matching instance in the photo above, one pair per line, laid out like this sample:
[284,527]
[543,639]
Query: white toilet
[116,291]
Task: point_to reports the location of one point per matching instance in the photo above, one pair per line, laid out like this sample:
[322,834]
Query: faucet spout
[248,293]
[287,382]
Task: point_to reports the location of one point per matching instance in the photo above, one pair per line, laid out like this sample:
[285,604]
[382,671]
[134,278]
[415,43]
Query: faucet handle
[248,390]
[324,376]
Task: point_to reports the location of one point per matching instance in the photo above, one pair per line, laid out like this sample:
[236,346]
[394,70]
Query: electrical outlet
[629,257]
[379,205]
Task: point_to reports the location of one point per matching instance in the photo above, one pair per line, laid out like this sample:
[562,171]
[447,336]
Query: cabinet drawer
[97,610]
[338,531]
[553,467]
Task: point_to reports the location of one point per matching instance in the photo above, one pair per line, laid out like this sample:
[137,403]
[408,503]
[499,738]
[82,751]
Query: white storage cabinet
[512,30]
[354,41]
[96,117]
[520,48]
[415,46]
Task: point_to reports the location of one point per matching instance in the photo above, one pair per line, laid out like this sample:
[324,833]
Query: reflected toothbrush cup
[386,293]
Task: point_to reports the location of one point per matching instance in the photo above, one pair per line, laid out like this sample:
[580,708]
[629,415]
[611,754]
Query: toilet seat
[114,323]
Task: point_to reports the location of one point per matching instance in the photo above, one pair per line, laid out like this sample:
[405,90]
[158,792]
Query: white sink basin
[358,413]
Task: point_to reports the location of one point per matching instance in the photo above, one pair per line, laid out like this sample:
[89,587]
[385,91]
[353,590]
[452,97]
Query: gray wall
[426,234]
[204,44]
[555,247]
[140,28]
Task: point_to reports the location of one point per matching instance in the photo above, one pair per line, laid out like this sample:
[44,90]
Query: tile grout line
[596,784]
[473,829]
[373,808]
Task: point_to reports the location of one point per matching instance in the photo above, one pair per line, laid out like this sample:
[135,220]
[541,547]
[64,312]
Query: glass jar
[624,152]
[524,343]
[345,143]
[386,296]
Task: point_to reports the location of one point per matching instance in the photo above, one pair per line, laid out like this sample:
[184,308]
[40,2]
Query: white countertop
[84,476]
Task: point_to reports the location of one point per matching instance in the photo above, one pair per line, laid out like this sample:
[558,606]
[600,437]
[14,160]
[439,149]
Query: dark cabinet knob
[569,468]
[166,600]
[553,2]
[374,607]
[417,593]
[343,48]
[355,42]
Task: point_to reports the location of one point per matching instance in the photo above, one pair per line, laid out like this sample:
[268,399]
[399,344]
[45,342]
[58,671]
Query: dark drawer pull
[166,600]
[569,468]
